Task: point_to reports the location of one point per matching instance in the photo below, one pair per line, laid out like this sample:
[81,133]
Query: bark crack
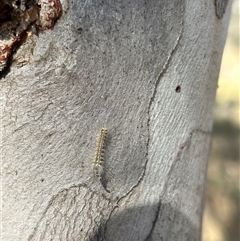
[154,221]
[179,153]
[161,74]
[165,67]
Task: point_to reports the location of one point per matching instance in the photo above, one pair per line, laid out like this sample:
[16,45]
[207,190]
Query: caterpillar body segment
[99,154]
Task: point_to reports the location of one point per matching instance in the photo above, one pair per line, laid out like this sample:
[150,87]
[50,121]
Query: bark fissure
[148,141]
[154,221]
[165,67]
[179,153]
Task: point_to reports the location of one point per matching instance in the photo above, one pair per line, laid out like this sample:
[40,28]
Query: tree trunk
[145,70]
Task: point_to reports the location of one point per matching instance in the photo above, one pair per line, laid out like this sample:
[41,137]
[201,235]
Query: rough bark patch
[73,214]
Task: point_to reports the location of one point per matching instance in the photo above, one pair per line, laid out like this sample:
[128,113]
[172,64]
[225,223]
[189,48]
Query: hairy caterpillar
[98,158]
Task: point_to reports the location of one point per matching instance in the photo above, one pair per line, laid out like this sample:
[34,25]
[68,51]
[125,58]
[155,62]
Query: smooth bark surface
[145,70]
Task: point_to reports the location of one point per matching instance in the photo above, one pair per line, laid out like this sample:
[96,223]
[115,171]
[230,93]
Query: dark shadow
[104,181]
[68,217]
[6,70]
[168,225]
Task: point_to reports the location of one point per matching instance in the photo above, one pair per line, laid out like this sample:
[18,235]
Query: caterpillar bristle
[99,154]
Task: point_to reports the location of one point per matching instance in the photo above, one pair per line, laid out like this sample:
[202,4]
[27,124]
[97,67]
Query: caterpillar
[98,158]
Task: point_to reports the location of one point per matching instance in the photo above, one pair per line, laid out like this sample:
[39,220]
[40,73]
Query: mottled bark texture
[145,70]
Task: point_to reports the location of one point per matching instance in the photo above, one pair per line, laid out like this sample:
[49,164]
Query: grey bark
[145,70]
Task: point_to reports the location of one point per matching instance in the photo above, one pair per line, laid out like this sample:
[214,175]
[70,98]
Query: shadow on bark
[168,225]
[68,217]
